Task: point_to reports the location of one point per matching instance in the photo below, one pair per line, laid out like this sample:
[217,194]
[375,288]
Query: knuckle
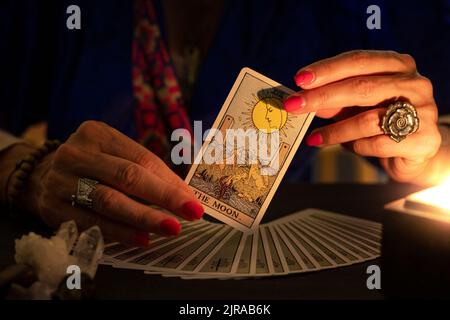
[434,113]
[65,154]
[128,175]
[89,128]
[145,160]
[358,147]
[165,195]
[429,142]
[360,58]
[104,199]
[331,134]
[425,85]
[407,60]
[369,122]
[436,142]
[139,219]
[393,55]
[321,99]
[363,87]
[324,67]
[429,114]
[379,145]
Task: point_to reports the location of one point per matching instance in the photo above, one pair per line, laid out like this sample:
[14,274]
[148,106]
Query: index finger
[351,64]
[131,179]
[115,143]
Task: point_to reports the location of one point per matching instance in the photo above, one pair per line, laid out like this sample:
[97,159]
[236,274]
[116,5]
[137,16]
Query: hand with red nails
[124,169]
[355,88]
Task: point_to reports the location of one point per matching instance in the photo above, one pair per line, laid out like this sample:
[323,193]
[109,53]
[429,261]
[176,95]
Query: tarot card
[273,258]
[115,248]
[372,236]
[222,261]
[296,260]
[239,253]
[188,269]
[219,263]
[277,251]
[219,266]
[257,254]
[258,259]
[352,249]
[243,267]
[247,152]
[339,255]
[309,252]
[155,253]
[194,262]
[348,219]
[255,257]
[367,247]
[320,247]
[365,233]
[174,259]
[209,258]
[139,257]
[168,252]
[355,233]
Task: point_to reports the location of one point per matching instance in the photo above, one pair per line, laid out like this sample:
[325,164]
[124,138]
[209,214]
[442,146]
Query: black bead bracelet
[23,170]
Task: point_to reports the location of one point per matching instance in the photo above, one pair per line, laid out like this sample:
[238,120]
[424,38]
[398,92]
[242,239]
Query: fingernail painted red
[141,239]
[170,227]
[192,210]
[314,140]
[294,103]
[304,78]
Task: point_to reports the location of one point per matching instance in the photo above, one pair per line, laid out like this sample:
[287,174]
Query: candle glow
[435,197]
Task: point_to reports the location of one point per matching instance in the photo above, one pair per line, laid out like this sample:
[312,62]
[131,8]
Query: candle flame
[438,196]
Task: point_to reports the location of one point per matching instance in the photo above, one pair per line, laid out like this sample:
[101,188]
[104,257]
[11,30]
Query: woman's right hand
[123,168]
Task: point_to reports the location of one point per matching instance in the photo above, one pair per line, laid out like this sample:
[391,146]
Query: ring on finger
[82,197]
[400,121]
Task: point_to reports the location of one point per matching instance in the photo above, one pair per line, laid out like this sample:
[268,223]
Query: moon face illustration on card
[247,152]
[268,115]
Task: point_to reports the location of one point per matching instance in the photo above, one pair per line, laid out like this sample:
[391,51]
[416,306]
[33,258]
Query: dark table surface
[364,201]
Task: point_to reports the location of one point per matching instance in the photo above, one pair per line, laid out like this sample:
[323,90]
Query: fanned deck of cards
[309,240]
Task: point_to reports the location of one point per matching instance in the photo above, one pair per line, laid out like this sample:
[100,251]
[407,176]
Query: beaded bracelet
[23,169]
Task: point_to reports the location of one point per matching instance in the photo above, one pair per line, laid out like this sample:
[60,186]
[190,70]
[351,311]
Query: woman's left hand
[355,88]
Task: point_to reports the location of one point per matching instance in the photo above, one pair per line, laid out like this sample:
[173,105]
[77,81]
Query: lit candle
[435,199]
[416,244]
